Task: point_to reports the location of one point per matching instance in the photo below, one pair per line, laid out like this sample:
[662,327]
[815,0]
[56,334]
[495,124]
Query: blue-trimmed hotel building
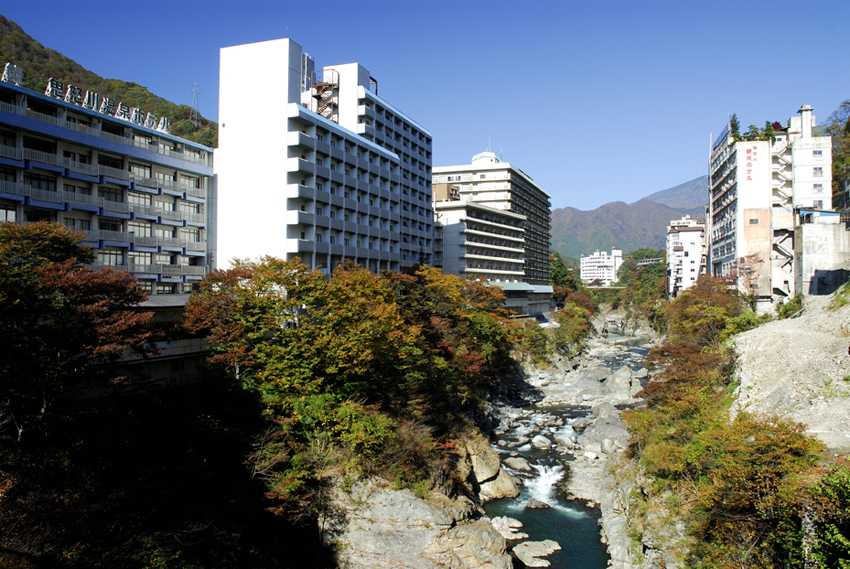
[143,198]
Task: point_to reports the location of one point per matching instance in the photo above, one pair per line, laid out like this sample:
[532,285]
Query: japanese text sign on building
[57,89]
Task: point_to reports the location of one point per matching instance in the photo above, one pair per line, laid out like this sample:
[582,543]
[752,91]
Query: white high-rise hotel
[314,165]
[685,254]
[757,190]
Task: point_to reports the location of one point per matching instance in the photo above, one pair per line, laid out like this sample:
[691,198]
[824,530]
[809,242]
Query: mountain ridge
[618,225]
[39,63]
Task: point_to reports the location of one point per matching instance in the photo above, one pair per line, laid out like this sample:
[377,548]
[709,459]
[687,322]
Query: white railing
[11,152]
[200,157]
[116,173]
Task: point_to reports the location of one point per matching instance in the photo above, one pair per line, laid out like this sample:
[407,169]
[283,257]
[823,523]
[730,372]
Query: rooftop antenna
[488,144]
[196,116]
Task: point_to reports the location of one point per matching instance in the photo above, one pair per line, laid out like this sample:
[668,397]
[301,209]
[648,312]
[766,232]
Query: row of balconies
[165,150]
[61,196]
[157,269]
[144,241]
[97,170]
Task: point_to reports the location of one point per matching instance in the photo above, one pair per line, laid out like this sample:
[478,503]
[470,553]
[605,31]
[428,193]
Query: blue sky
[597,100]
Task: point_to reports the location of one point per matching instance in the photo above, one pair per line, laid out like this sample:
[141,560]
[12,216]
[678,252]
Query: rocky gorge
[556,437]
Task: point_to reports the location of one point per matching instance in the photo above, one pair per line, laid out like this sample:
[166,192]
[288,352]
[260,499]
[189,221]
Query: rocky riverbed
[557,435]
[575,414]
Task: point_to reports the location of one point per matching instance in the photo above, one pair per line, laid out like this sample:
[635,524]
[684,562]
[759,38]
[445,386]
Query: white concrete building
[601,266]
[476,241]
[490,181]
[757,190]
[685,254]
[314,165]
[141,196]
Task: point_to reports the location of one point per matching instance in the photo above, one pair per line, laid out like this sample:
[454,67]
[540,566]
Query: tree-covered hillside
[39,63]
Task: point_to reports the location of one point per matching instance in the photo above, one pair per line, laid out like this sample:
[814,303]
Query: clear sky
[597,100]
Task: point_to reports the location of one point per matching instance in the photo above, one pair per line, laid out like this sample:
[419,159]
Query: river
[571,523]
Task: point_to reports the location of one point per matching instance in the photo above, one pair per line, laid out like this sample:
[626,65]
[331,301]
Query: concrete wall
[822,258]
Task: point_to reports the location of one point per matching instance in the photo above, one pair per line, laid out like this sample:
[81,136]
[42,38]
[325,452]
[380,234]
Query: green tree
[735,128]
[64,326]
[838,127]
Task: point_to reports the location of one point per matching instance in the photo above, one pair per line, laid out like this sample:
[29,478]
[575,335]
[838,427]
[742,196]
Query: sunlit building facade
[313,165]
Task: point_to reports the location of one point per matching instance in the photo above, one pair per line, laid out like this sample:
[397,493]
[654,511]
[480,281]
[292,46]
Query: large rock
[518,463]
[478,465]
[501,486]
[378,528]
[529,552]
[508,527]
[539,441]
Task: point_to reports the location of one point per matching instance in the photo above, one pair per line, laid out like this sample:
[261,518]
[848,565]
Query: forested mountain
[642,224]
[39,63]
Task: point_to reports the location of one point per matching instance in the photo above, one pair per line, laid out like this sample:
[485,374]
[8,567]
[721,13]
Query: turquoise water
[573,525]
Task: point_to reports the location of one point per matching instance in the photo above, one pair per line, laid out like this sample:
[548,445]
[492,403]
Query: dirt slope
[799,368]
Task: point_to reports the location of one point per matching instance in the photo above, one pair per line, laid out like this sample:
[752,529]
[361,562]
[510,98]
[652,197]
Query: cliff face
[799,368]
[374,526]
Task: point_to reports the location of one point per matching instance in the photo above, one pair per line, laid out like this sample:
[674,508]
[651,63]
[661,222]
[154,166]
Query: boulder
[528,552]
[501,486]
[581,423]
[517,463]
[537,505]
[539,441]
[599,373]
[374,527]
[507,527]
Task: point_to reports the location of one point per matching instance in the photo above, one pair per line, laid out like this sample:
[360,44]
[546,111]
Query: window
[320,211]
[111,194]
[346,242]
[164,288]
[110,257]
[37,182]
[139,228]
[77,190]
[165,205]
[138,258]
[110,225]
[192,235]
[140,170]
[164,259]
[190,207]
[817,152]
[320,162]
[333,239]
[818,204]
[754,222]
[165,232]
[319,237]
[139,199]
[333,214]
[818,188]
[78,224]
[8,213]
[191,181]
[818,171]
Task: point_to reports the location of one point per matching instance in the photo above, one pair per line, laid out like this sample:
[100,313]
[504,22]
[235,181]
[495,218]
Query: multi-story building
[685,254]
[601,267]
[499,185]
[494,224]
[314,165]
[757,189]
[477,241]
[138,193]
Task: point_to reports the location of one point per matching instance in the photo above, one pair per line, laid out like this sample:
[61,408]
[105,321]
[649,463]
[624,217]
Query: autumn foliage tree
[343,363]
[63,325]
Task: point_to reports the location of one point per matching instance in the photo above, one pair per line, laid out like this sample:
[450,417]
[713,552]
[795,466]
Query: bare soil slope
[799,369]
